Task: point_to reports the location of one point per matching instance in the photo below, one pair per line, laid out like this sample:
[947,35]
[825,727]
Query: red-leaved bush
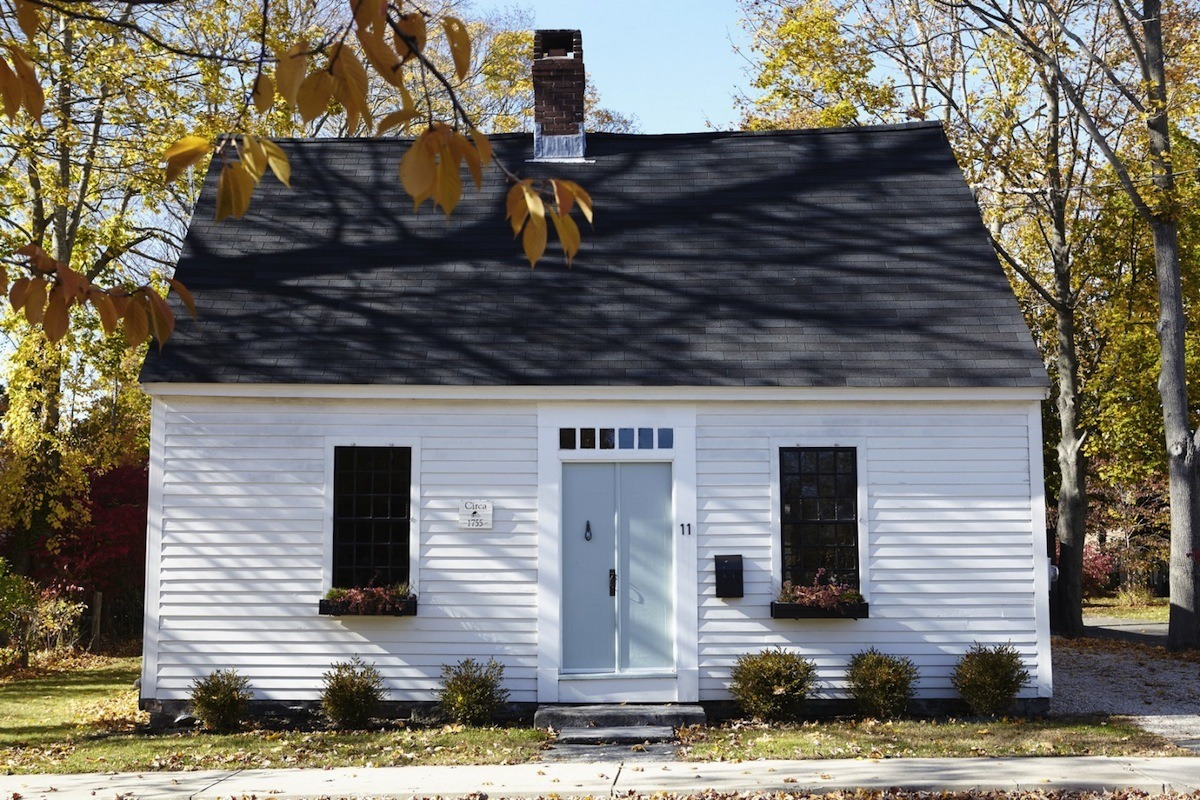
[1098,569]
[109,553]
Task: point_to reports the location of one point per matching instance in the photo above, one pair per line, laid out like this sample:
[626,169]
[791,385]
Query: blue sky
[669,62]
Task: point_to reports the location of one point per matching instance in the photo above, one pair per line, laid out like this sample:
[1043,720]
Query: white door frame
[554,687]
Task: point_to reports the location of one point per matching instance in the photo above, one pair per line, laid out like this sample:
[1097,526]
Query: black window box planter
[797,611]
[340,608]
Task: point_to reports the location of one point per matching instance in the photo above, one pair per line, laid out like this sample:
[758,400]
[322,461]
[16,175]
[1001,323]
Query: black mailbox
[729,576]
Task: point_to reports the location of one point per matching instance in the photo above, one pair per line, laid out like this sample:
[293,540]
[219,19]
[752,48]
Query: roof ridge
[884,128]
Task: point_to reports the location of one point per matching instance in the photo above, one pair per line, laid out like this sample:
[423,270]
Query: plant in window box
[379,601]
[824,598]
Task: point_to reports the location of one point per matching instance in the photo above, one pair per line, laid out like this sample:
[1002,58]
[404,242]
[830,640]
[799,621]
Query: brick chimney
[558,89]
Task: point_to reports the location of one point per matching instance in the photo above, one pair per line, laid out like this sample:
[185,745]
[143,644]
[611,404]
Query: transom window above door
[616,438]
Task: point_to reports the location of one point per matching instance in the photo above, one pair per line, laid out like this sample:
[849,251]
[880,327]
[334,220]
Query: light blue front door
[618,568]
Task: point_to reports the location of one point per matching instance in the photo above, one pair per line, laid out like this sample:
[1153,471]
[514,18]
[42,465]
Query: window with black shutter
[819,514]
[371,520]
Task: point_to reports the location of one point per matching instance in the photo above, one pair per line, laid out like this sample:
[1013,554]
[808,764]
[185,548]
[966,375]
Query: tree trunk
[1183,629]
[1072,495]
[1072,467]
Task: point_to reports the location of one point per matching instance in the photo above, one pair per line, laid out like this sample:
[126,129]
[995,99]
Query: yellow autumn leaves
[46,298]
[342,79]
[183,154]
[526,210]
[432,167]
[432,170]
[19,86]
[51,289]
[386,41]
[238,177]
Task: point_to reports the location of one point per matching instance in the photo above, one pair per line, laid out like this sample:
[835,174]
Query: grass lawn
[83,718]
[54,705]
[134,752]
[1156,611]
[927,739]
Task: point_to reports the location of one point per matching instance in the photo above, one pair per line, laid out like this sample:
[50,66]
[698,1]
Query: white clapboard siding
[950,550]
[240,520]
[243,544]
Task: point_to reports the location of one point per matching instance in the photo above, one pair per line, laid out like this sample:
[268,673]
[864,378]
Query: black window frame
[372,516]
[819,515]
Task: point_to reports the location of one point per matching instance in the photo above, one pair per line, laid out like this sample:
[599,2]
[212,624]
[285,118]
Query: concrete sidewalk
[605,779]
[1128,630]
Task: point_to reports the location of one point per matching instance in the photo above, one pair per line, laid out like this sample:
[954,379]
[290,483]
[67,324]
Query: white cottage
[777,353]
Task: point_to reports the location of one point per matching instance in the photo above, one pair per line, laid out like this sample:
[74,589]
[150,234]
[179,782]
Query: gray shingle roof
[847,257]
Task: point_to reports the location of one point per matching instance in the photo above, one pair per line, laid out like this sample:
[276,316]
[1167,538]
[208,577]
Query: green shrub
[353,692]
[18,613]
[772,684]
[57,620]
[881,685]
[33,618]
[472,693]
[988,678]
[219,699]
[1134,592]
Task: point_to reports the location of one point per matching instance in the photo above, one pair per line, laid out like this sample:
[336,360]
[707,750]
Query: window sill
[334,608]
[797,611]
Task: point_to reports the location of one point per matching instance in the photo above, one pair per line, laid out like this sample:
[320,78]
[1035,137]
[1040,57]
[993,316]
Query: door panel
[627,507]
[646,611]
[589,614]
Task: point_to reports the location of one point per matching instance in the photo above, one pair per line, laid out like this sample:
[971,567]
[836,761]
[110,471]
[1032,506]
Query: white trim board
[592,394]
[1043,679]
[154,532]
[553,685]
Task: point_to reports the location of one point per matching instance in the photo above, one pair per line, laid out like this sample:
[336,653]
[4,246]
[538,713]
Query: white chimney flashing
[568,148]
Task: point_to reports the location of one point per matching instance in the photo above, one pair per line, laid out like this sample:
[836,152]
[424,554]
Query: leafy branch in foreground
[432,167]
[52,288]
[391,42]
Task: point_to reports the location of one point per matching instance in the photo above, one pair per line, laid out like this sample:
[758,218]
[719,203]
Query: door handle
[587,531]
[612,583]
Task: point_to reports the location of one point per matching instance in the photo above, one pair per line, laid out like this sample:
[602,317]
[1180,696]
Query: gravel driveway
[1162,692]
